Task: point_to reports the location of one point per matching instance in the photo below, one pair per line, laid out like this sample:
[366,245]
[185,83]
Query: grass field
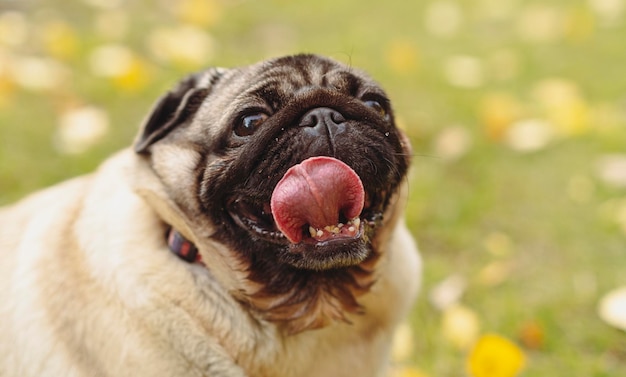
[516,110]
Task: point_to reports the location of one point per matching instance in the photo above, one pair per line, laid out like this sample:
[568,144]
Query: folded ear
[176,106]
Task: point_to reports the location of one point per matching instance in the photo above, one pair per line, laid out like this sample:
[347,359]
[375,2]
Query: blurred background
[516,110]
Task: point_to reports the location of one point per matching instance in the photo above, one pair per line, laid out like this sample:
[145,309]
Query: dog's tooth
[356,222]
[340,225]
[319,233]
[312,231]
[332,229]
[351,229]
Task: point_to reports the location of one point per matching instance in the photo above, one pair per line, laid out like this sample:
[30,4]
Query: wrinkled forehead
[276,82]
[287,76]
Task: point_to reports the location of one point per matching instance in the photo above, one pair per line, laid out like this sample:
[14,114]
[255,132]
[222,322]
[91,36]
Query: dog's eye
[376,106]
[249,124]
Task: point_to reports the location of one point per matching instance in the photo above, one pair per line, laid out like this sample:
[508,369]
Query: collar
[183,248]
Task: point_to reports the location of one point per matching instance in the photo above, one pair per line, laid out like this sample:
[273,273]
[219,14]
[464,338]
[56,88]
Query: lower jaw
[327,256]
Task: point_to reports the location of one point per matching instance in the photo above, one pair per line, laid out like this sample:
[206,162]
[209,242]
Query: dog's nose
[323,121]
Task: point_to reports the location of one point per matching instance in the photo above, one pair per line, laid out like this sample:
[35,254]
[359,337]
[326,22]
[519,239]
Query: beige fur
[89,288]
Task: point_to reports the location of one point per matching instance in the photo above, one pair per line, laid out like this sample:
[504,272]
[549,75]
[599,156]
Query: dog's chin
[328,255]
[339,248]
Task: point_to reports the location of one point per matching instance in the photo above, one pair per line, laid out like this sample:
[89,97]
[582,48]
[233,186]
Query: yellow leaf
[188,47]
[111,60]
[498,244]
[531,335]
[495,273]
[443,18]
[464,71]
[135,78]
[540,23]
[530,135]
[59,40]
[6,90]
[504,64]
[495,356]
[402,56]
[497,112]
[198,12]
[580,24]
[460,326]
[563,105]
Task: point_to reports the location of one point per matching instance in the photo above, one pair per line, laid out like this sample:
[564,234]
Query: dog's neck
[183,248]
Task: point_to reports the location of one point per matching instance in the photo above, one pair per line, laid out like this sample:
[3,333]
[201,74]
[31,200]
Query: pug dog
[255,229]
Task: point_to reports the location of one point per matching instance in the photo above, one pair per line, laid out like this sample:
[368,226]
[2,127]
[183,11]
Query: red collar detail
[183,248]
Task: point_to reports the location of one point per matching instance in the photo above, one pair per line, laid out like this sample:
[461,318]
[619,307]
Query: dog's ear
[176,106]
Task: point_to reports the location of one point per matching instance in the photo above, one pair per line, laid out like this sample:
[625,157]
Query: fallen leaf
[452,143]
[81,128]
[187,46]
[579,24]
[136,77]
[464,71]
[609,11]
[529,135]
[498,244]
[443,18]
[202,13]
[39,74]
[111,60]
[612,308]
[495,356]
[6,91]
[59,39]
[532,335]
[497,112]
[495,273]
[402,56]
[539,23]
[504,64]
[611,169]
[618,211]
[448,292]
[460,326]
[563,105]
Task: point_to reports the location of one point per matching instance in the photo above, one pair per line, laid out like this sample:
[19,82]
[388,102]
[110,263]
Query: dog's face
[292,163]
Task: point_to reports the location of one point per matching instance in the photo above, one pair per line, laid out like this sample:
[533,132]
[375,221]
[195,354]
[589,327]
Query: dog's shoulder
[49,207]
[33,210]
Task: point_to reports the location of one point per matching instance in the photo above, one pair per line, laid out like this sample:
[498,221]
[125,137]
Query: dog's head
[294,164]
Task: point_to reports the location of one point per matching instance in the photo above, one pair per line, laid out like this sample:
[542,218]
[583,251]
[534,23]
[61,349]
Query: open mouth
[260,222]
[320,201]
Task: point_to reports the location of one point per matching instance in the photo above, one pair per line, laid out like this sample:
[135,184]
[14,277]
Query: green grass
[566,250]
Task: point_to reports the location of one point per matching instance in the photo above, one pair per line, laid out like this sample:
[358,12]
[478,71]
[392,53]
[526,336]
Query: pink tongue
[314,193]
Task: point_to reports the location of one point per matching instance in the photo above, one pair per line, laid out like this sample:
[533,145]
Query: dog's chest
[341,350]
